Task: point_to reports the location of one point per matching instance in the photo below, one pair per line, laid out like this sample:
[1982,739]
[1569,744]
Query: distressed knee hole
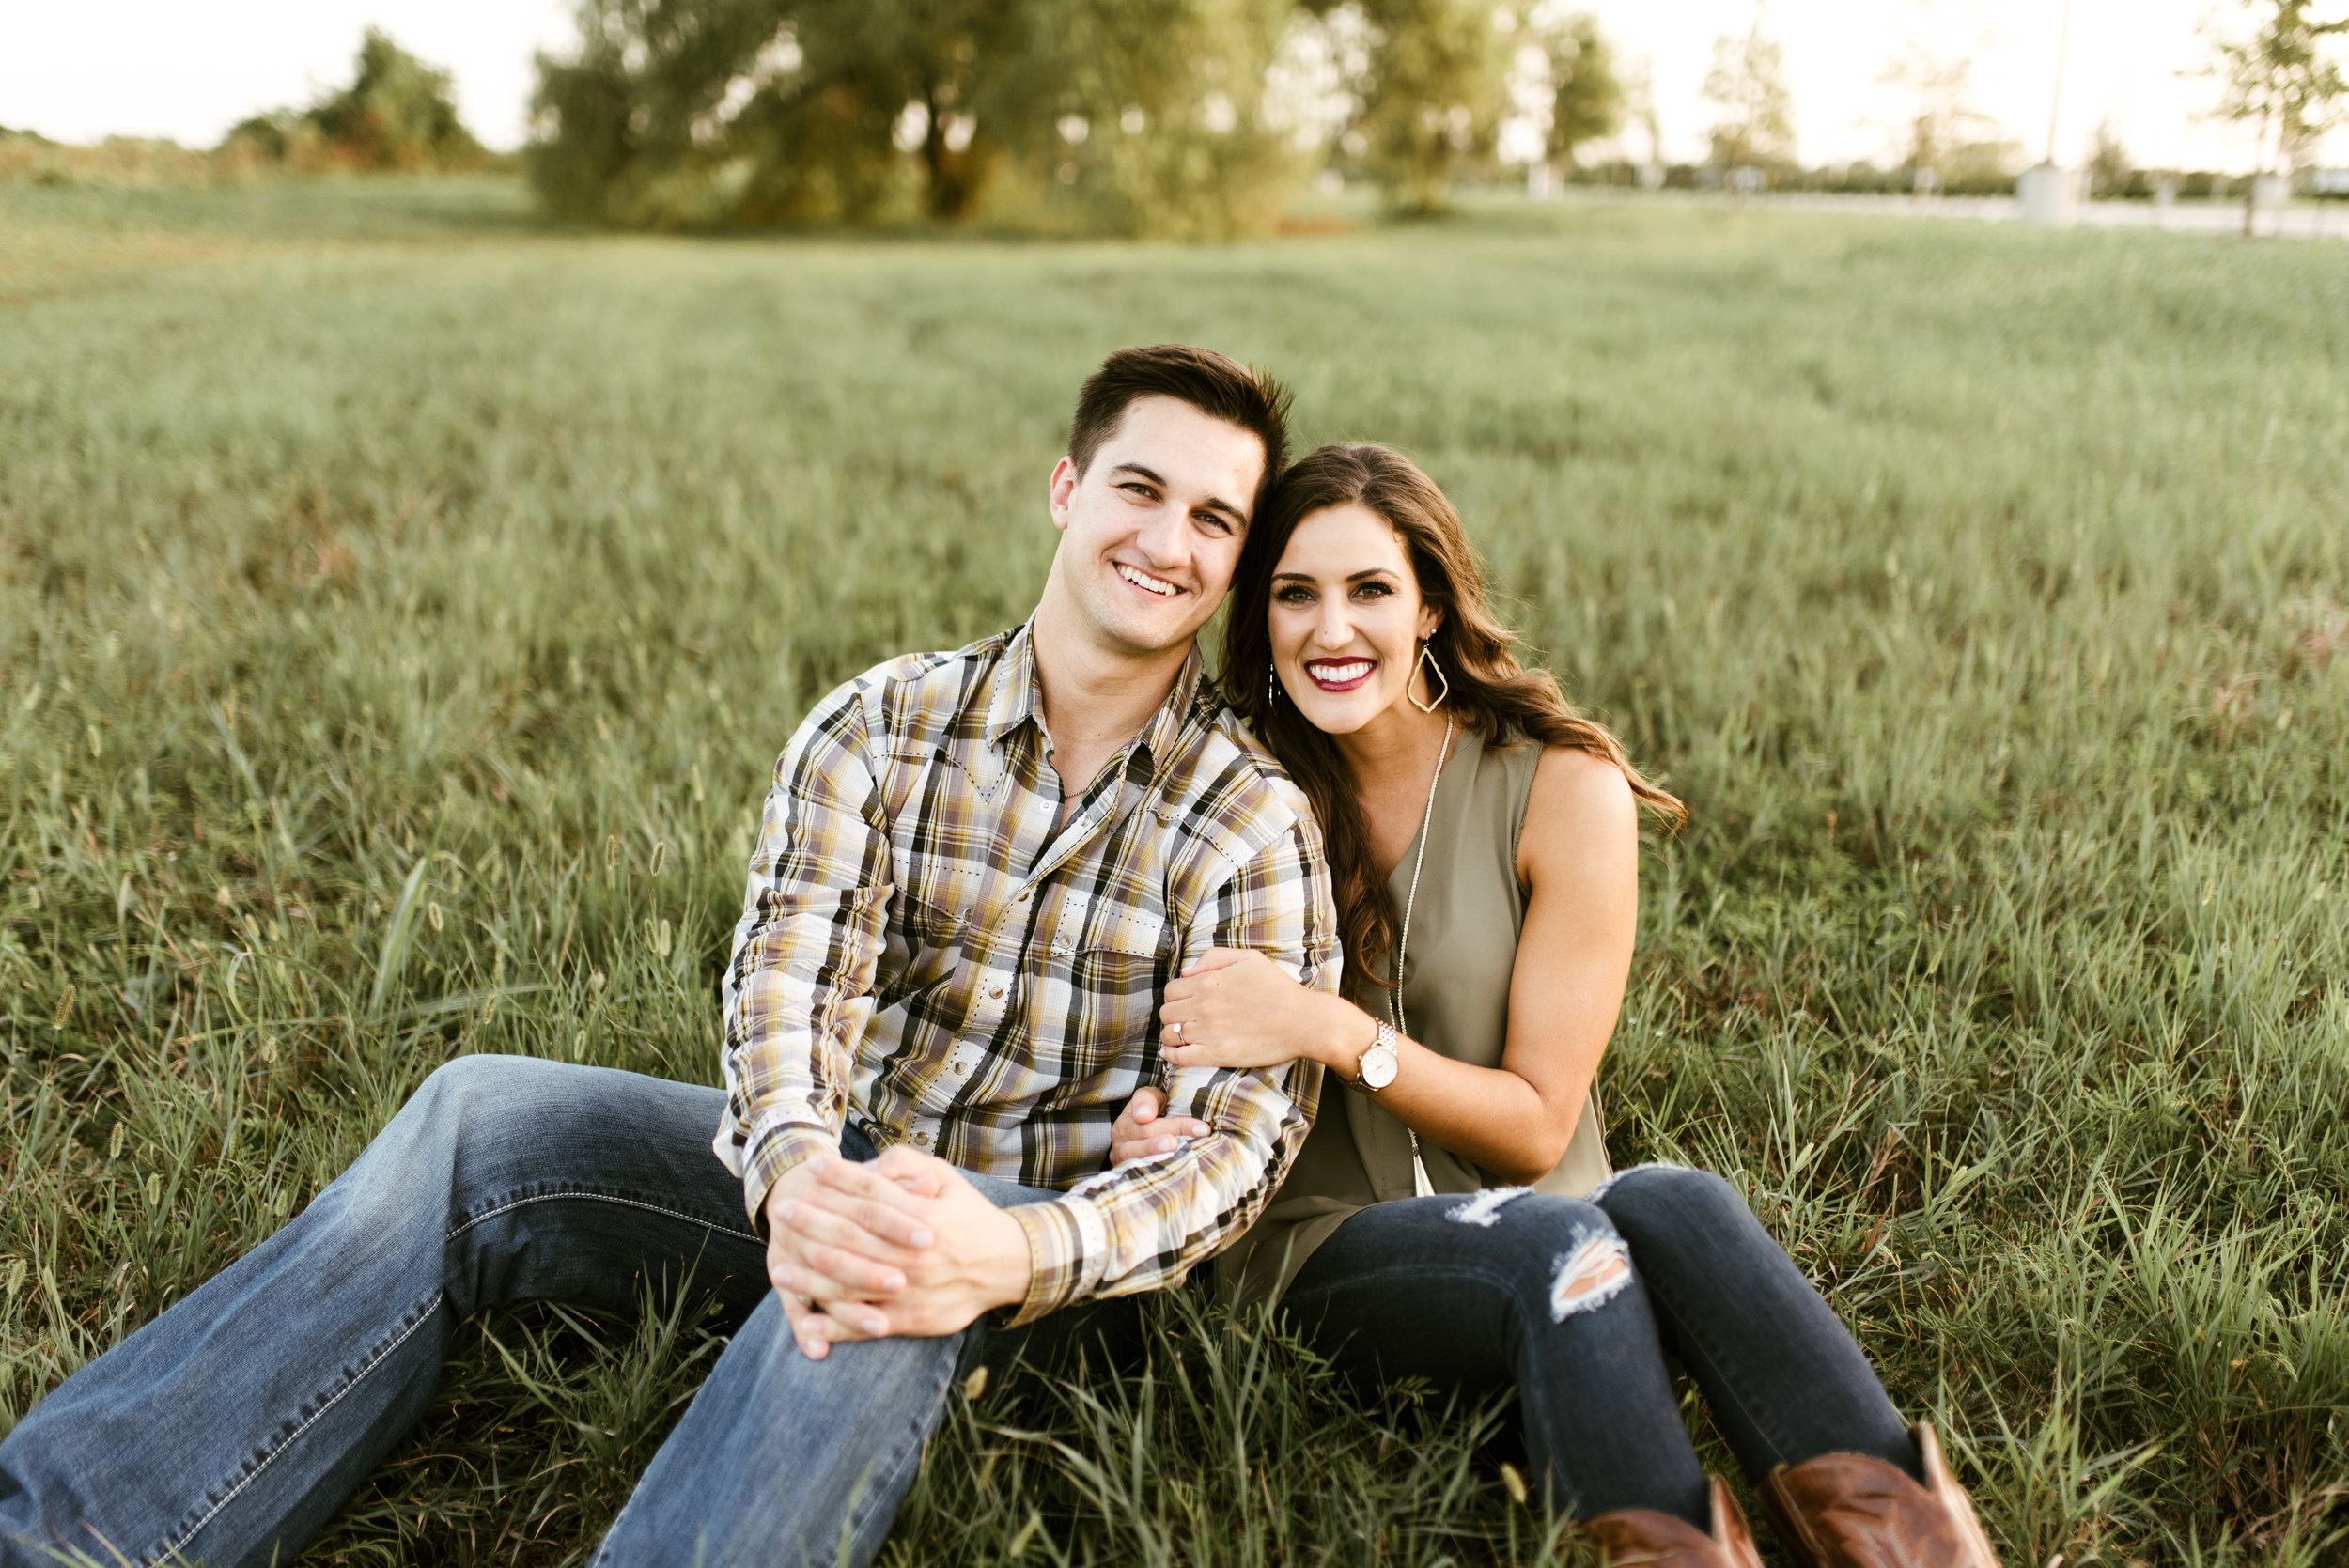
[1589,1277]
[1485,1208]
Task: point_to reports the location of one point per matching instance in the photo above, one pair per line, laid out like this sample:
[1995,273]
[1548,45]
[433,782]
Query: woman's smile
[1340,674]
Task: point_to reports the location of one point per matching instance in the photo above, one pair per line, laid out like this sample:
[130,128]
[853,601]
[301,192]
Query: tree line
[1204,119]
[1185,118]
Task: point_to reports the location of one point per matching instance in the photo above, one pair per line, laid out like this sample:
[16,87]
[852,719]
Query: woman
[1451,1215]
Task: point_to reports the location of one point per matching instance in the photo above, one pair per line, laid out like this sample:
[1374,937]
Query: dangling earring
[1426,663]
[1271,685]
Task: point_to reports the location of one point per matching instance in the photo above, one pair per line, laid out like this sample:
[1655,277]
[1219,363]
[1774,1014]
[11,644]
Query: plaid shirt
[923,951]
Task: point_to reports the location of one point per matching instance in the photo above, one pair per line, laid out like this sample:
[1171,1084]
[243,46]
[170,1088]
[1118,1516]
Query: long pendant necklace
[1421,1186]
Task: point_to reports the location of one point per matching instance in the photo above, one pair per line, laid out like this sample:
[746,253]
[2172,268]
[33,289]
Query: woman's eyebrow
[1363,576]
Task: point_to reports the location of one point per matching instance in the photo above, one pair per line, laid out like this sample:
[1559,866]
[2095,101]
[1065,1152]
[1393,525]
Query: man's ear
[1063,491]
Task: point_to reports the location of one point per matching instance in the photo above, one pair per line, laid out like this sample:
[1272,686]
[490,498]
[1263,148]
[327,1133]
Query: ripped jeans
[1577,1303]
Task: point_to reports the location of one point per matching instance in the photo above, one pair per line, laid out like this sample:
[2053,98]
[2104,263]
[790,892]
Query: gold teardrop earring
[1426,663]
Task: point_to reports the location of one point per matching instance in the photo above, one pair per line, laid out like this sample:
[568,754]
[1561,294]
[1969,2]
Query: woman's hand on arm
[1235,1009]
[1206,1007]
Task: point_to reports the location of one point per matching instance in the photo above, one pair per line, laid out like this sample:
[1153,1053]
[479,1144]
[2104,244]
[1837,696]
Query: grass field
[401,606]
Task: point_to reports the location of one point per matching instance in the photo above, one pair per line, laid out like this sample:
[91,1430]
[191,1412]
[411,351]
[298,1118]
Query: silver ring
[1175,1029]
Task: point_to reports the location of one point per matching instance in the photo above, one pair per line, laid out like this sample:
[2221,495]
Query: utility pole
[2054,107]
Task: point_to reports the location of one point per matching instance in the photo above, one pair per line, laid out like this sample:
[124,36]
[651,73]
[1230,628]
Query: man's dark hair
[1217,387]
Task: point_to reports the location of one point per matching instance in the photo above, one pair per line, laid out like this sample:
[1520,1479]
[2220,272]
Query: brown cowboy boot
[1851,1511]
[1642,1536]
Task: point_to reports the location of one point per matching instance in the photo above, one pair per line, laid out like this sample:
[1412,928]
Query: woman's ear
[1430,617]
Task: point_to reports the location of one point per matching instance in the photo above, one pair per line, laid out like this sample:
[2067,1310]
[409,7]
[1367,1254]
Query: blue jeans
[1576,1304]
[230,1428]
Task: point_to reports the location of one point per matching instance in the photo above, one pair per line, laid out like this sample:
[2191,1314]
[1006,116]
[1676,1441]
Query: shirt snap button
[994,990]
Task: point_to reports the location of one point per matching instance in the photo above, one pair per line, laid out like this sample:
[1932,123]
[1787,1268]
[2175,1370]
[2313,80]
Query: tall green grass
[401,606]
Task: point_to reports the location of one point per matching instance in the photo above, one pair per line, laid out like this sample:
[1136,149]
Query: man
[976,872]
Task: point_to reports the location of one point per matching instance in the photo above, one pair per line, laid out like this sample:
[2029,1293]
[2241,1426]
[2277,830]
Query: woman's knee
[1666,1209]
[1644,1191]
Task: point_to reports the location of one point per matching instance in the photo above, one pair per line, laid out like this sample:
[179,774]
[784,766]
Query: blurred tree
[1983,167]
[2282,80]
[1117,115]
[269,138]
[2109,162]
[1946,125]
[1435,96]
[1748,83]
[1154,118]
[1588,99]
[951,75]
[701,111]
[398,112]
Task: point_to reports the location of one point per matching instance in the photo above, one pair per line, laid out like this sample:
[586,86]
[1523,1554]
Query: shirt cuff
[779,1149]
[1068,1245]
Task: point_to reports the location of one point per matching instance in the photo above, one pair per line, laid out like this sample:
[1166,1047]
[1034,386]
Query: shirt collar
[1017,698]
[1014,699]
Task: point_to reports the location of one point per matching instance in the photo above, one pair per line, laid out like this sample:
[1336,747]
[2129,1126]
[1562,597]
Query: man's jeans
[1485,1293]
[230,1428]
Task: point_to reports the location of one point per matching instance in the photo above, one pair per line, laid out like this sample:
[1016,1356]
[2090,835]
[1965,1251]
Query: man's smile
[1145,582]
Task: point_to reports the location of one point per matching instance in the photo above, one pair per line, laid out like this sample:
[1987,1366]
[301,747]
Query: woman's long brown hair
[1490,689]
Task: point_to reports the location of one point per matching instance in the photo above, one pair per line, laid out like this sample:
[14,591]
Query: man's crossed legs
[229,1429]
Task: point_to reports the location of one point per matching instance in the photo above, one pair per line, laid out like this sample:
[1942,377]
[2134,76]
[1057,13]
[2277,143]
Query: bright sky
[80,71]
[2123,63]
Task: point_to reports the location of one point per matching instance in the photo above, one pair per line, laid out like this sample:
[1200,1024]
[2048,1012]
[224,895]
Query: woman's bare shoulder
[1580,809]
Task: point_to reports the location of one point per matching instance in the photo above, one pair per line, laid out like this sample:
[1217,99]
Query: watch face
[1378,1066]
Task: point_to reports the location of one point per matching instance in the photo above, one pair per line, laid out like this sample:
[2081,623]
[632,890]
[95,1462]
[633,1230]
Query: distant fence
[2305,220]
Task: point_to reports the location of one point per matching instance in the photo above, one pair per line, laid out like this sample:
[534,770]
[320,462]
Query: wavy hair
[1490,691]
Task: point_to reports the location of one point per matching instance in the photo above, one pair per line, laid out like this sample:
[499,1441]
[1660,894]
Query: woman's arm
[1578,859]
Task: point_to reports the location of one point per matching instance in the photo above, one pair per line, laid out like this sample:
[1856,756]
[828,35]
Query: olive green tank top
[1457,970]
